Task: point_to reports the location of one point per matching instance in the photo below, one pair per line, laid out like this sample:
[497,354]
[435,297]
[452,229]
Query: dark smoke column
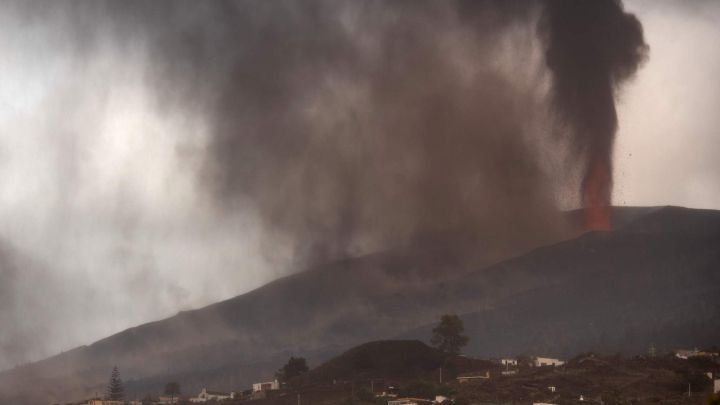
[593,46]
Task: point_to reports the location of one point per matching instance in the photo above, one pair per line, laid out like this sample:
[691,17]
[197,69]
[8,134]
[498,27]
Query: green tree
[448,334]
[294,367]
[172,389]
[115,390]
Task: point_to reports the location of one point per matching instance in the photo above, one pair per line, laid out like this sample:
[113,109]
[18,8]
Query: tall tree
[448,334]
[294,367]
[172,389]
[115,390]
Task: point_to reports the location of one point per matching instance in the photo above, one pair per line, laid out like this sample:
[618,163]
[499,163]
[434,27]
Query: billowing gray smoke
[343,126]
[349,126]
[592,48]
[352,126]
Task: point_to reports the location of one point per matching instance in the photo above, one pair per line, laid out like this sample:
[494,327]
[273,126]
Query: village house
[509,362]
[686,354]
[261,390]
[716,386]
[207,395]
[266,386]
[547,361]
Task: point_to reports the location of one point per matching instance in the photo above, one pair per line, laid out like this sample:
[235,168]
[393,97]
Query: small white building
[686,354]
[207,395]
[266,386]
[509,362]
[716,386]
[547,361]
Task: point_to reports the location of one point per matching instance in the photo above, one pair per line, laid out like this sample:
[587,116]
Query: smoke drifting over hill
[186,136]
[350,127]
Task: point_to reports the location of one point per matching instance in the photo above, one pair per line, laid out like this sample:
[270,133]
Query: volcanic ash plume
[338,128]
[592,48]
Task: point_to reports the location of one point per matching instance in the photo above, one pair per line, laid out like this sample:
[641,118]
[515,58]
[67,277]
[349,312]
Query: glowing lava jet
[597,194]
[593,47]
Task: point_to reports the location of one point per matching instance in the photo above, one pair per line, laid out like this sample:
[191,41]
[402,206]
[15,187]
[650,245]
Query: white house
[547,361]
[716,386]
[266,386]
[508,362]
[207,395]
[686,354]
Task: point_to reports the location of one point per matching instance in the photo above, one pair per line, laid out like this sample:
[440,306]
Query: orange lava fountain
[597,192]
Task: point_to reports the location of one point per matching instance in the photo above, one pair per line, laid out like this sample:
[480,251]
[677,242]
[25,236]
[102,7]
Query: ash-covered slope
[229,344]
[654,282]
[656,276]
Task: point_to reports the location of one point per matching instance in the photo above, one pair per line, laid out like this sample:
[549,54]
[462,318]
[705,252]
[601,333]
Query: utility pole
[689,390]
[298,399]
[440,375]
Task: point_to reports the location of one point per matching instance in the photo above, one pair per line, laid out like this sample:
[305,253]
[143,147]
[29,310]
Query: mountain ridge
[385,295]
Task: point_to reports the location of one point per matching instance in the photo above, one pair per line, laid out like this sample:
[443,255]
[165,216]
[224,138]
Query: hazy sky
[669,137]
[102,221]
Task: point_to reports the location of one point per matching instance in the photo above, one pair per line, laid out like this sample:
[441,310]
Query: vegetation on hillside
[448,334]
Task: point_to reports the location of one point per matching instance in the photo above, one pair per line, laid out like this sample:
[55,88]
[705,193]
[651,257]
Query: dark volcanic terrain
[413,369]
[654,279]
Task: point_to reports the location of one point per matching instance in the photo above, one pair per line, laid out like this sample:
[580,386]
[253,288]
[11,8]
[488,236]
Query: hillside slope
[656,276]
[393,360]
[618,292]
